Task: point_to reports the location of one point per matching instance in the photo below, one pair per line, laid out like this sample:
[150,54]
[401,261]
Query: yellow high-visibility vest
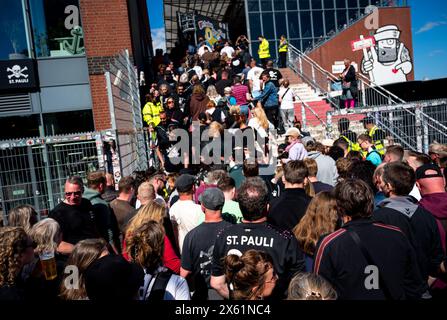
[380,148]
[151,113]
[283,47]
[264,51]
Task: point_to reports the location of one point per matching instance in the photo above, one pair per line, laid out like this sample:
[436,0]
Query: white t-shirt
[211,110]
[254,123]
[254,75]
[199,71]
[228,50]
[416,193]
[287,99]
[201,50]
[186,214]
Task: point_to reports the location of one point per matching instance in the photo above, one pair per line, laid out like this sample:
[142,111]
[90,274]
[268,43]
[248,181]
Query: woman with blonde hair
[320,219]
[22,216]
[260,122]
[250,276]
[215,113]
[211,92]
[309,286]
[84,253]
[153,211]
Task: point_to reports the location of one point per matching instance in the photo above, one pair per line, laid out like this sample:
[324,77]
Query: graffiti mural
[389,60]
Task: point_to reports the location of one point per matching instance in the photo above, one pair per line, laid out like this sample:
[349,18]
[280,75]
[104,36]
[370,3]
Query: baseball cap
[327,142]
[113,278]
[368,119]
[293,132]
[421,172]
[212,199]
[184,183]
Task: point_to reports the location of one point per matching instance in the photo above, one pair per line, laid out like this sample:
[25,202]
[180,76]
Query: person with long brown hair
[84,253]
[250,276]
[320,219]
[145,247]
[22,216]
[16,251]
[153,211]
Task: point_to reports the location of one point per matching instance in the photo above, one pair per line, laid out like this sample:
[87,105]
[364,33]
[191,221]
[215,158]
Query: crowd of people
[345,219]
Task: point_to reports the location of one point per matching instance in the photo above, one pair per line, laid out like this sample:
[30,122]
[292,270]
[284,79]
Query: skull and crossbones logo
[17,72]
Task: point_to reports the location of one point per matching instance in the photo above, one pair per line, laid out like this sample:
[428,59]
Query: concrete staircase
[320,106]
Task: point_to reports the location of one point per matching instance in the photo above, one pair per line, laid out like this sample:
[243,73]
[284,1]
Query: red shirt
[239,92]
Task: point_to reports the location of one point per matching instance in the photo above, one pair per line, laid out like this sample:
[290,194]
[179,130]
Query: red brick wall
[106,32]
[340,47]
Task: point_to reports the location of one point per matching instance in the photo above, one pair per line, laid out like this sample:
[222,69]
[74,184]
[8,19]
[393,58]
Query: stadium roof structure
[213,9]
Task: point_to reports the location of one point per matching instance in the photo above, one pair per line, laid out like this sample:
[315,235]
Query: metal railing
[414,124]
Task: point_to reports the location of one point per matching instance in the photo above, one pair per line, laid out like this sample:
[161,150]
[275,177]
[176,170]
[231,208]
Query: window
[340,4]
[19,127]
[296,43]
[294,28]
[57,33]
[353,4]
[306,27]
[68,122]
[253,5]
[307,44]
[316,4]
[280,22]
[364,3]
[279,5]
[353,15]
[266,5]
[329,16]
[329,4]
[13,43]
[255,25]
[318,23]
[341,19]
[267,24]
[304,4]
[291,5]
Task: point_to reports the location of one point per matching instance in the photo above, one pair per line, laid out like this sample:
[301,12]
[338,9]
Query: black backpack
[158,289]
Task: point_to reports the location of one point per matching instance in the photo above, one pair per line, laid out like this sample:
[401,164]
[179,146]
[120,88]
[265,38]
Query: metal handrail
[304,105]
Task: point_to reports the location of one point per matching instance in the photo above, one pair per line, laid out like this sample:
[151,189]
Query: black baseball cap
[184,183]
[368,119]
[421,172]
[112,278]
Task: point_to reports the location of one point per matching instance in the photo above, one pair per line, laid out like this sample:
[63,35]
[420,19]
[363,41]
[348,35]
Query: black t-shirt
[281,245]
[222,84]
[197,255]
[275,76]
[77,222]
[321,186]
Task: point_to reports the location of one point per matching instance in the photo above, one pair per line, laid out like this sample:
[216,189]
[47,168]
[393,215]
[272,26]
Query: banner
[211,30]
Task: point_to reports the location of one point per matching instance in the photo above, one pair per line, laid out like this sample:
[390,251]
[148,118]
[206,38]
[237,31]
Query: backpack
[157,286]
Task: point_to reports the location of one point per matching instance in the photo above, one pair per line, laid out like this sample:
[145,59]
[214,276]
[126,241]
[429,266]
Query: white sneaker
[343,111]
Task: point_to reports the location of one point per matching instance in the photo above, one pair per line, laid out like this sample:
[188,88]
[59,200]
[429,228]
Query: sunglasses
[75,193]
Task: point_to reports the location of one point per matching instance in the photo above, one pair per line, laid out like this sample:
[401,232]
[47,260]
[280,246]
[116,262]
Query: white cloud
[430,25]
[158,39]
[435,53]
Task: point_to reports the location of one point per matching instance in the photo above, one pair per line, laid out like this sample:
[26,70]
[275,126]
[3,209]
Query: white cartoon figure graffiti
[389,60]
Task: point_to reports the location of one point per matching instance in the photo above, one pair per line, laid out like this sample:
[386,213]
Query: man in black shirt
[198,245]
[287,211]
[223,83]
[75,216]
[255,233]
[365,260]
[275,74]
[402,211]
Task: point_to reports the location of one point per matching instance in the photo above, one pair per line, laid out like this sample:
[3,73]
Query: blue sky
[429,24]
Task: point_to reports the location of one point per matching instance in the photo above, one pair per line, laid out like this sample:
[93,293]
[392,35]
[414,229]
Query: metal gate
[33,171]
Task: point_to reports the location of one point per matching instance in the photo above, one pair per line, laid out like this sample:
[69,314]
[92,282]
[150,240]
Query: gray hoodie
[327,171]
